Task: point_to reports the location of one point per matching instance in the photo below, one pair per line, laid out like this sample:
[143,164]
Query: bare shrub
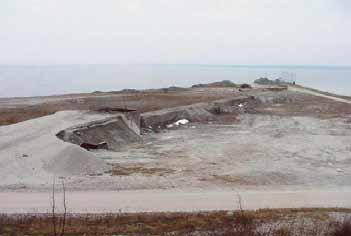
[343,229]
[54,217]
[283,232]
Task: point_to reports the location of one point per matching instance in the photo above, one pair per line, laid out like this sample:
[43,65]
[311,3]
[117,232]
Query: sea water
[19,81]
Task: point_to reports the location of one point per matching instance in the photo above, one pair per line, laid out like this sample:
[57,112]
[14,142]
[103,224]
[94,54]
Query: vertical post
[64,208]
[53,207]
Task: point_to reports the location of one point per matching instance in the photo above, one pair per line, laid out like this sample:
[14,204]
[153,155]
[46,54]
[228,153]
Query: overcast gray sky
[175,31]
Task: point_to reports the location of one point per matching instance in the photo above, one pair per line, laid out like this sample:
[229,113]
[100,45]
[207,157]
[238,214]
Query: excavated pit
[260,148]
[113,133]
[200,112]
[120,130]
[123,129]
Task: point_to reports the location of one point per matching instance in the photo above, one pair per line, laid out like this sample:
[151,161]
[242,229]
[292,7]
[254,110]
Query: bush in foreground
[304,222]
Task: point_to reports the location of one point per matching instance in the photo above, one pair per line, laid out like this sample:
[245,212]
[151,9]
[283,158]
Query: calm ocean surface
[18,81]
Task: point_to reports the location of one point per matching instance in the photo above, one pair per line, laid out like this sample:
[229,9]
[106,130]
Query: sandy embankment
[31,153]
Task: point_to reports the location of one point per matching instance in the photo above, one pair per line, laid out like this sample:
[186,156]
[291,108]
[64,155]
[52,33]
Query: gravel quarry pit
[248,150]
[254,144]
[257,152]
[116,131]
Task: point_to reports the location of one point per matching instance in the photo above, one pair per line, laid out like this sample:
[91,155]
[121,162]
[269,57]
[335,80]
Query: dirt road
[308,91]
[172,200]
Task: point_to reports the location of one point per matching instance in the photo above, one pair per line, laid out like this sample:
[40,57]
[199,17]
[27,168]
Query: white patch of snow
[181,122]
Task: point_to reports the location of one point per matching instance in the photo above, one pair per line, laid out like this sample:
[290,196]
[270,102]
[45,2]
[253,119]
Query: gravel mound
[73,160]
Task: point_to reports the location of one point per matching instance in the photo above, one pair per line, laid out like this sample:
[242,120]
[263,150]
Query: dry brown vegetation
[141,101]
[284,222]
[324,92]
[118,170]
[12,116]
[150,100]
[306,105]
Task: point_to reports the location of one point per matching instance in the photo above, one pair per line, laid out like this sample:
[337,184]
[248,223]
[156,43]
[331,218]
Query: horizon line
[182,64]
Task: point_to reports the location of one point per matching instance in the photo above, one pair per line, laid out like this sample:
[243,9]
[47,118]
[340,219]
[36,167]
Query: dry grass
[342,229]
[306,105]
[118,170]
[234,179]
[142,101]
[284,222]
[13,116]
[154,100]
